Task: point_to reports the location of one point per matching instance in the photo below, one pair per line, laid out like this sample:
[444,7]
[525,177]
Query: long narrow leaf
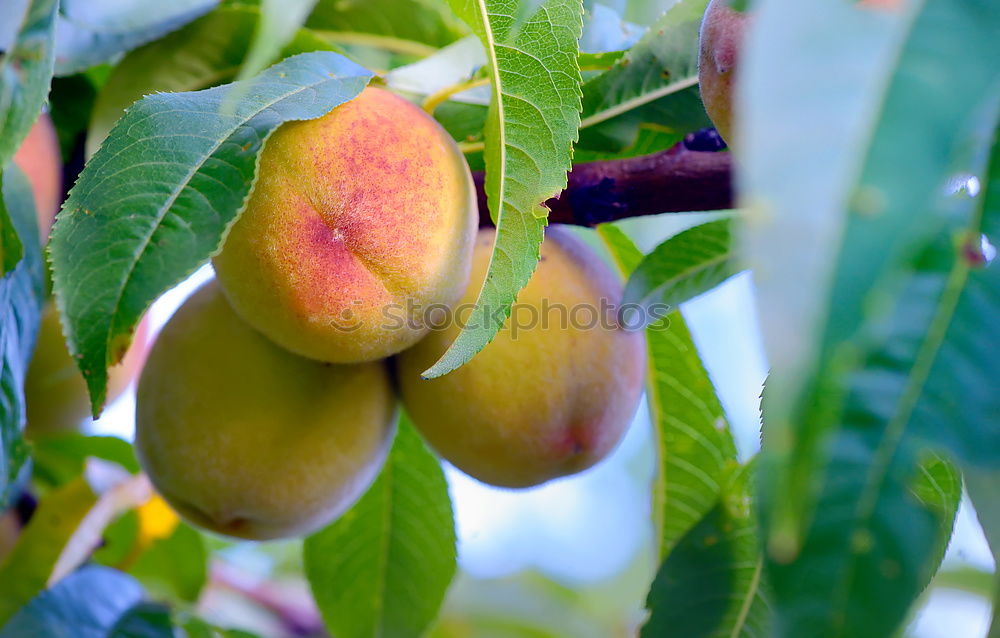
[532,124]
[383,568]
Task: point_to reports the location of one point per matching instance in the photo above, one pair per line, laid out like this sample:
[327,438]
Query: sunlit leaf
[532,124]
[383,568]
[155,202]
[681,268]
[695,449]
[711,585]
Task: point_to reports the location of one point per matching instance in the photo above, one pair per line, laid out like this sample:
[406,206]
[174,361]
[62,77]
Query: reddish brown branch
[671,181]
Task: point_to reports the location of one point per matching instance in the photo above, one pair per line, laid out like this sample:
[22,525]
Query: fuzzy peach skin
[249,440]
[40,159]
[721,37]
[356,217]
[538,402]
[55,393]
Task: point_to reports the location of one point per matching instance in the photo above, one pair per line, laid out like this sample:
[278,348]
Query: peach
[40,159]
[554,392]
[249,440]
[356,218]
[721,37]
[55,393]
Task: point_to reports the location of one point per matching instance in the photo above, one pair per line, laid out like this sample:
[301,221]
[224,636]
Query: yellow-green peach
[721,38]
[553,393]
[55,393]
[249,440]
[356,219]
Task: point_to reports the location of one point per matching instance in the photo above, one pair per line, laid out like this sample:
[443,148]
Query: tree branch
[671,181]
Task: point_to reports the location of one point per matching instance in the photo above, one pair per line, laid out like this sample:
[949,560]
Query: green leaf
[205,53]
[28,568]
[416,27]
[983,488]
[61,535]
[144,620]
[711,585]
[155,202]
[866,276]
[383,568]
[25,69]
[11,249]
[58,459]
[695,449]
[175,567]
[21,293]
[532,124]
[89,32]
[279,21]
[654,84]
[85,604]
[684,266]
[871,548]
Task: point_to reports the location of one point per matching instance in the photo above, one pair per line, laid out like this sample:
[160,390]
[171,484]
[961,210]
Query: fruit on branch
[39,158]
[553,393]
[55,393]
[249,440]
[721,37]
[366,212]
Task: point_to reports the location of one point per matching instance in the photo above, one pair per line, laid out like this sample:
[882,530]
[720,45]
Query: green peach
[542,400]
[356,217]
[246,439]
[55,393]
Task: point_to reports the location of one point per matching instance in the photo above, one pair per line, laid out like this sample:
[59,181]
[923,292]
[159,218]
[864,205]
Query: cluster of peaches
[268,403]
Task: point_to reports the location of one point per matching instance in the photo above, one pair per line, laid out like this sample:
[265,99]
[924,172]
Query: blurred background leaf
[857,324]
[983,489]
[205,53]
[89,32]
[61,535]
[21,292]
[26,59]
[279,21]
[414,27]
[86,604]
[382,569]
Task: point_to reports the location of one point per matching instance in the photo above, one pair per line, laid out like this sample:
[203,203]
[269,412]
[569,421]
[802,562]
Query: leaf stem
[434,100]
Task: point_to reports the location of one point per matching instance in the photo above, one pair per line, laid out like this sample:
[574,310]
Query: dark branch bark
[671,181]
